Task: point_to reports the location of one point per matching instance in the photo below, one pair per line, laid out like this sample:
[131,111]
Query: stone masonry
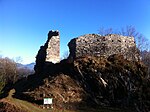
[96,45]
[86,45]
[49,53]
[53,47]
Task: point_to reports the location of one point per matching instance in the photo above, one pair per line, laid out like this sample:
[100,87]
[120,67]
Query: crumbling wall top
[53,33]
[49,52]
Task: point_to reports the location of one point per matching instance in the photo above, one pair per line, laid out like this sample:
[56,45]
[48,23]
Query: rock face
[105,71]
[90,81]
[49,53]
[96,45]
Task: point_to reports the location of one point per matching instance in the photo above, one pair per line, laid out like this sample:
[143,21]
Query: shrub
[8,72]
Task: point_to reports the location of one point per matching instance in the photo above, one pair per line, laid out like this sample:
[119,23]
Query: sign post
[48,101]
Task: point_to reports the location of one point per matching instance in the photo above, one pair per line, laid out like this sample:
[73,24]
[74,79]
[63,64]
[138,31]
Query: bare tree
[8,72]
[129,31]
[24,72]
[103,31]
[141,41]
[18,59]
[146,59]
[143,44]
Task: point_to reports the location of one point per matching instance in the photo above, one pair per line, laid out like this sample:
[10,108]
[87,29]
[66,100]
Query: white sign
[47,100]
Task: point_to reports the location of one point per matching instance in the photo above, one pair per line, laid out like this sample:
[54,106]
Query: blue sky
[24,24]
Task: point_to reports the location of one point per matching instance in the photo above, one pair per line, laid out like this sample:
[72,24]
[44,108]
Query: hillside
[27,66]
[10,104]
[102,73]
[91,82]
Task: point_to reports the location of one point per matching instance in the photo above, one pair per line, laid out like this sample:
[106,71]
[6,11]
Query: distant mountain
[30,66]
[25,69]
[27,66]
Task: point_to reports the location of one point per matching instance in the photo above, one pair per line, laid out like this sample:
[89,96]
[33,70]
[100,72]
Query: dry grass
[29,107]
[26,106]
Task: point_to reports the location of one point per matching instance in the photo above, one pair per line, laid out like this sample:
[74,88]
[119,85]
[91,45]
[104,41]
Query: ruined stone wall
[49,53]
[53,48]
[96,45]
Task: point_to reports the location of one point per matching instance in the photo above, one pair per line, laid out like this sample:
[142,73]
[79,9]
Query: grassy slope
[24,105]
[29,107]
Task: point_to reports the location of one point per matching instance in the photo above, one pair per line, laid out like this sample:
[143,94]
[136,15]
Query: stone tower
[53,47]
[49,53]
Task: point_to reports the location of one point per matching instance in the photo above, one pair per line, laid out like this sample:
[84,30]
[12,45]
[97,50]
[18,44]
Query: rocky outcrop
[86,45]
[49,53]
[104,71]
[91,81]
[96,45]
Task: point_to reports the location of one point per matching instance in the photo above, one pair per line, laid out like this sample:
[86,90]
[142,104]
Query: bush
[8,72]
[2,84]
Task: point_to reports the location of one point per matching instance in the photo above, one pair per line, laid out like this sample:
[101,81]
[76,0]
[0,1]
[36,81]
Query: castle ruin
[53,47]
[96,45]
[49,53]
[86,45]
